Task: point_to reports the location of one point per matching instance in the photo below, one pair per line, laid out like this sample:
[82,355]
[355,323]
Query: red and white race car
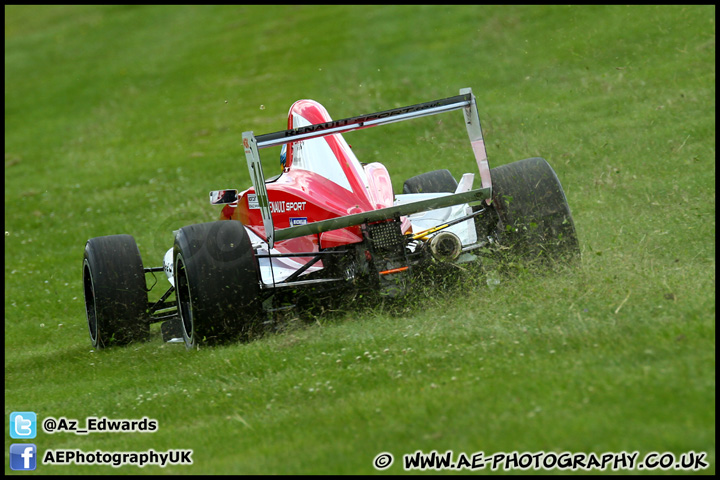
[327,225]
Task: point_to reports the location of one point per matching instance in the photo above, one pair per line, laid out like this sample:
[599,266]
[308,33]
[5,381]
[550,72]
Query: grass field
[121,119]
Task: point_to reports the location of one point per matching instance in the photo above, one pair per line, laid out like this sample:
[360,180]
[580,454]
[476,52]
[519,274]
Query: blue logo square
[23,456]
[23,425]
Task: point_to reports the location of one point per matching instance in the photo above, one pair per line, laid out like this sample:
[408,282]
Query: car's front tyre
[437,181]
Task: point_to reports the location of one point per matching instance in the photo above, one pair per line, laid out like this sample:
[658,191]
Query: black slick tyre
[116,299]
[534,216]
[216,281]
[437,181]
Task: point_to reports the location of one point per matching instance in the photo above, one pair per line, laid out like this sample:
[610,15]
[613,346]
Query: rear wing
[465,101]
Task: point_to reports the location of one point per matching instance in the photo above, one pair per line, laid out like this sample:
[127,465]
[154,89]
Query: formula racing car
[326,225]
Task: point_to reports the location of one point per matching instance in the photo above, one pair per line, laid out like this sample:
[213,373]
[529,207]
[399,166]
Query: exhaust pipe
[445,246]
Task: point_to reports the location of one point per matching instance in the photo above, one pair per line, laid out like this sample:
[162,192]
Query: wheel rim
[182,291]
[90,305]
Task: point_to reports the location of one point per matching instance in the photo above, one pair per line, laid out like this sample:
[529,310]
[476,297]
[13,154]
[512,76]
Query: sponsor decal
[295,221]
[282,206]
[360,120]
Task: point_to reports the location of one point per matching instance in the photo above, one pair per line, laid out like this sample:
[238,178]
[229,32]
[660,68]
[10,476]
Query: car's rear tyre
[216,281]
[438,181]
[534,216]
[116,299]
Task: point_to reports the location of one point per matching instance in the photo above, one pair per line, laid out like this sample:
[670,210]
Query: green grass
[121,119]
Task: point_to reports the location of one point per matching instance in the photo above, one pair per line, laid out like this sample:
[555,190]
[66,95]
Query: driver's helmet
[283,156]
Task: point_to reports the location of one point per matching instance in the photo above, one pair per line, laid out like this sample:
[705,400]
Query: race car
[326,226]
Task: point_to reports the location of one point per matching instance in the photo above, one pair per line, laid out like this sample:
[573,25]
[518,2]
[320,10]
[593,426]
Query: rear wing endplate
[466,101]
